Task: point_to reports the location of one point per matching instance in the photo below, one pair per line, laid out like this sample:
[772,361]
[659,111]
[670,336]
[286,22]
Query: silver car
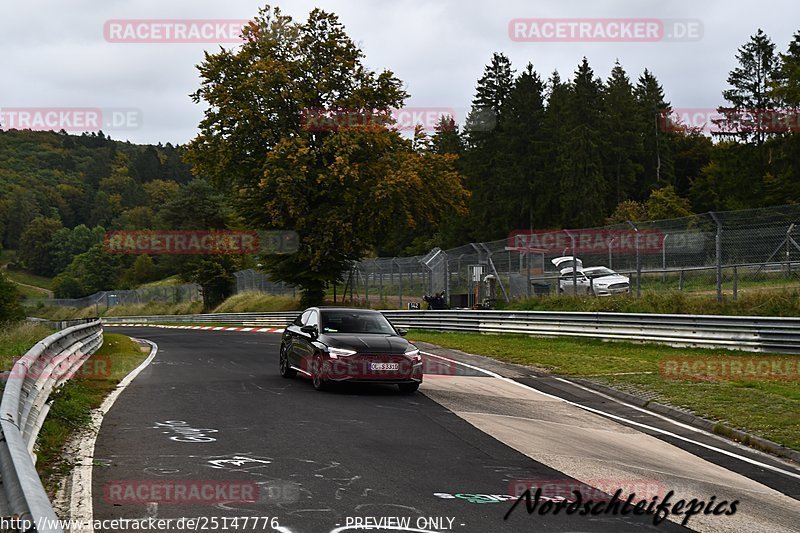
[599,281]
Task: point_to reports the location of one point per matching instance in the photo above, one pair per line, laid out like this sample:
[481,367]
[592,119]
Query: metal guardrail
[756,334]
[23,409]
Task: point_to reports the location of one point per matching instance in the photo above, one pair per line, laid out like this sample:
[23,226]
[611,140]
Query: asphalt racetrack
[211,410]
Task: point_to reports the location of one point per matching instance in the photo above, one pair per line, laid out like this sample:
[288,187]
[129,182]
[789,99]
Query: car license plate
[384,366]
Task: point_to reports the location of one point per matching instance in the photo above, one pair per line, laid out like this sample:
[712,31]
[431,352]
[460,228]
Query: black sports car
[355,345]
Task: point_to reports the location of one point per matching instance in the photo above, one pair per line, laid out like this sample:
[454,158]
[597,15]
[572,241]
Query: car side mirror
[309,330]
[402,332]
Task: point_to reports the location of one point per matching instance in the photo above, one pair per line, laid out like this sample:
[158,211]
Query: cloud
[55,53]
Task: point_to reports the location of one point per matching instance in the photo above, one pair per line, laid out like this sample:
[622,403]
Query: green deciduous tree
[10,308]
[36,250]
[665,203]
[340,189]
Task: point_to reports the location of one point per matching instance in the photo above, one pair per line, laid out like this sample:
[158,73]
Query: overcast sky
[54,53]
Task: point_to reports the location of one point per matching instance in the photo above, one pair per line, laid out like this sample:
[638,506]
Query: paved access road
[212,410]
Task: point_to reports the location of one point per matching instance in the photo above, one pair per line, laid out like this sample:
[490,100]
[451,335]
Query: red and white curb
[205,328]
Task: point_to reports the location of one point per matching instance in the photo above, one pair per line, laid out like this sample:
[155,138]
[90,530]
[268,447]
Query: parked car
[354,345]
[597,281]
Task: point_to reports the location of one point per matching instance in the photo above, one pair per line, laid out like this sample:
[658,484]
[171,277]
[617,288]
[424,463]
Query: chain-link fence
[256,281]
[716,253]
[168,294]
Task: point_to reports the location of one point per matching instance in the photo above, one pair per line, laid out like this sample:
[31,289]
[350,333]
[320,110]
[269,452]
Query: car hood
[366,343]
[610,280]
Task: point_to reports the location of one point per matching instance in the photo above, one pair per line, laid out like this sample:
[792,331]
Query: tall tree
[582,190]
[482,162]
[623,141]
[522,179]
[750,98]
[656,160]
[554,134]
[340,188]
[785,86]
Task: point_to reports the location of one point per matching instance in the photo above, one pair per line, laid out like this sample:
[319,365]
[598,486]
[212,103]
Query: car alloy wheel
[317,378]
[286,370]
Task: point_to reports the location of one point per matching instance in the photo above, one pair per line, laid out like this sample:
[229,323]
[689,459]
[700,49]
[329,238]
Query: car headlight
[340,352]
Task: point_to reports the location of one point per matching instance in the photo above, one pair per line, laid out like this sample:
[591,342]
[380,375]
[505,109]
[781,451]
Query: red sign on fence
[587,241]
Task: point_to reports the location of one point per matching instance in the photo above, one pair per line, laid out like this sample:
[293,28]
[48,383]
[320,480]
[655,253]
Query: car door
[303,346]
[294,349]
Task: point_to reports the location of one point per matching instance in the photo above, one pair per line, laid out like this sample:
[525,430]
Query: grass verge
[762,303]
[26,278]
[74,402]
[255,301]
[766,408]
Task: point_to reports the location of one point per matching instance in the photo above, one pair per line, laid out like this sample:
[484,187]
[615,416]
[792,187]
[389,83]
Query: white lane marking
[651,413]
[81,496]
[627,421]
[384,528]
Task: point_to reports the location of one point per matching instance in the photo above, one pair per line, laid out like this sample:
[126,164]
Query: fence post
[638,262]
[527,272]
[735,283]
[399,277]
[664,258]
[610,259]
[574,264]
[719,255]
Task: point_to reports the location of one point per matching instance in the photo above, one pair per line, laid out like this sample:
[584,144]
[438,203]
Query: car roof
[346,309]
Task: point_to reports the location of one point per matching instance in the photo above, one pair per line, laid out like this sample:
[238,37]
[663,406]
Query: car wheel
[317,378]
[408,388]
[286,370]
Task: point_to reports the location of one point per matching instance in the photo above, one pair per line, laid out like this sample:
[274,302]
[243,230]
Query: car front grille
[618,286]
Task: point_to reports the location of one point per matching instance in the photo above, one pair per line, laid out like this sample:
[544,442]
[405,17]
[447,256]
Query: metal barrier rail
[23,409]
[756,334]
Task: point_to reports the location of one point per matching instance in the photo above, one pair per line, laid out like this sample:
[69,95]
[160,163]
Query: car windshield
[355,322]
[600,272]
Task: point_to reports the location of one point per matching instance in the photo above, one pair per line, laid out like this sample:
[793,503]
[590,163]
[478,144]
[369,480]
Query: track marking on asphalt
[625,420]
[390,528]
[81,497]
[656,415]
